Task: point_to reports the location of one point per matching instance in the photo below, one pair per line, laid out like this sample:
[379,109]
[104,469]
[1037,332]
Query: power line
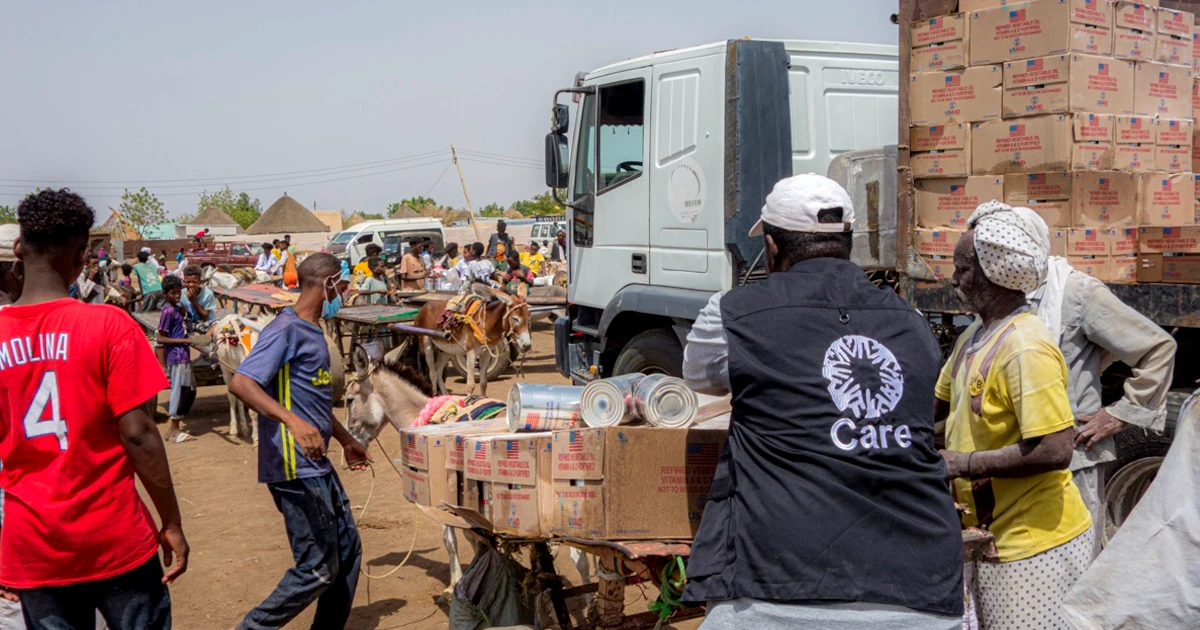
[503,157]
[218,180]
[293,184]
[475,160]
[439,178]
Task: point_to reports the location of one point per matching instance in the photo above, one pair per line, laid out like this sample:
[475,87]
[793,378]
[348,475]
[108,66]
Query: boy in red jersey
[77,386]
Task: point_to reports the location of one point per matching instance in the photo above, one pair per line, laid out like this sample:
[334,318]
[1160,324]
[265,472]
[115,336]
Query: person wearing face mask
[286,378]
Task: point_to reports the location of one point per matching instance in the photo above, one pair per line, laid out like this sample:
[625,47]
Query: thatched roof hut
[116,228]
[287,216]
[405,212]
[353,219]
[513,213]
[455,216]
[215,219]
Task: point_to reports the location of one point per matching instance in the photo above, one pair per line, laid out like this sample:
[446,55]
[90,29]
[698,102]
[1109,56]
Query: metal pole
[470,210]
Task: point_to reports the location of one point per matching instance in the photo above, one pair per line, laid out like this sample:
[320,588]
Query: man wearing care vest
[1093,328]
[829,508]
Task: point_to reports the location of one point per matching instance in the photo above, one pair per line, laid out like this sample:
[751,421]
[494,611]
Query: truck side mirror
[561,120]
[557,160]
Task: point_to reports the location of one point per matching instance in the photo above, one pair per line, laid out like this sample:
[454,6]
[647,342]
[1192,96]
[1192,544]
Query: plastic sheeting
[1149,574]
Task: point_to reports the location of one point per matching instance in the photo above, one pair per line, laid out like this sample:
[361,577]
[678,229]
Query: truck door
[611,234]
[687,244]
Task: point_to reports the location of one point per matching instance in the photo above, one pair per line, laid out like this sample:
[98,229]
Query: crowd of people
[501,264]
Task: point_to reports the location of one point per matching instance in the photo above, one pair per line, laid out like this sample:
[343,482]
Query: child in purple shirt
[173,336]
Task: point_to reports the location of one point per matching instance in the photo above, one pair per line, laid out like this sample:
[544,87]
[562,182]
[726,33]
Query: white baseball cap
[794,203]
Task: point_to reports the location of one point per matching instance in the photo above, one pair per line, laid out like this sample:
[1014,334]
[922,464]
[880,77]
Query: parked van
[390,234]
[545,230]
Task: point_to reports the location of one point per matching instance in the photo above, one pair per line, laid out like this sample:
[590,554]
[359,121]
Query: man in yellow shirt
[362,270]
[1010,430]
[533,258]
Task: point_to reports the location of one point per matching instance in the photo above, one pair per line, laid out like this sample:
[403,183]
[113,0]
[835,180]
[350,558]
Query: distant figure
[363,268]
[266,260]
[287,243]
[558,253]
[518,278]
[534,258]
[412,267]
[173,336]
[500,243]
[199,302]
[200,236]
[149,281]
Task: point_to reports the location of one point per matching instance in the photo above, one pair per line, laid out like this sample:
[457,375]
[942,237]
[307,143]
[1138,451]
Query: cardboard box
[940,267]
[1195,51]
[1055,212]
[1173,159]
[1170,132]
[1134,158]
[1122,269]
[1174,269]
[1195,97]
[936,241]
[1103,199]
[970,6]
[1160,240]
[1040,143]
[1162,90]
[417,485]
[523,502]
[1135,15]
[1195,151]
[1038,29]
[937,57]
[1094,127]
[636,482]
[477,458]
[940,150]
[1135,130]
[1175,23]
[950,202]
[968,95]
[1092,156]
[1067,83]
[1173,50]
[1167,199]
[1058,241]
[938,43]
[1133,45]
[1088,242]
[1021,188]
[1097,267]
[1123,241]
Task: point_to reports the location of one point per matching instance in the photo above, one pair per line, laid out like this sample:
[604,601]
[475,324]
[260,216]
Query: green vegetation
[142,209]
[239,207]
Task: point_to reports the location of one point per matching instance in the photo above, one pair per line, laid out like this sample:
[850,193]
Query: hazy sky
[131,94]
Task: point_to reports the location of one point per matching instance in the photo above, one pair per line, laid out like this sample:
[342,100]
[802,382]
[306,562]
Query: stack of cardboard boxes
[1079,109]
[613,483]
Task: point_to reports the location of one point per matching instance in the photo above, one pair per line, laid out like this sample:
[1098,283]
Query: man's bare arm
[251,393]
[1024,459]
[144,446]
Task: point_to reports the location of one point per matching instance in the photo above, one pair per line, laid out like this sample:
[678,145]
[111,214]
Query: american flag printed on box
[575,442]
[953,80]
[1016,16]
[481,450]
[512,449]
[1015,131]
[702,454]
[1103,183]
[1033,65]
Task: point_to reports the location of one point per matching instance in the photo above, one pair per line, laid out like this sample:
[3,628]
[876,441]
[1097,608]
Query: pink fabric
[431,407]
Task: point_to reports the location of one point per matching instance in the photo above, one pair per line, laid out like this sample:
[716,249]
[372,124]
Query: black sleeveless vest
[829,488]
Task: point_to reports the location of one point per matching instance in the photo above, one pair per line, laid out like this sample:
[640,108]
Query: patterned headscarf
[1009,247]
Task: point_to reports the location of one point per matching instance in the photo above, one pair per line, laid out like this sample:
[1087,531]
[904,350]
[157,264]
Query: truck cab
[671,157]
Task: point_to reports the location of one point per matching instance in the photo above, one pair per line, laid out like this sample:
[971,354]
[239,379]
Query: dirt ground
[240,550]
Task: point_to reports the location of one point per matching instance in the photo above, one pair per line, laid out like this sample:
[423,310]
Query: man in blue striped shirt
[286,378]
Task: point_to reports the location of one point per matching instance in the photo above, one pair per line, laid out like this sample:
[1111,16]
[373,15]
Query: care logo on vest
[865,401]
[322,378]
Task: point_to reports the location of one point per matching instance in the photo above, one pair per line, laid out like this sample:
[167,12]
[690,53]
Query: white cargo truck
[670,158]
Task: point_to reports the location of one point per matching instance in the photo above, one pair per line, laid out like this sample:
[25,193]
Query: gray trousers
[1091,487]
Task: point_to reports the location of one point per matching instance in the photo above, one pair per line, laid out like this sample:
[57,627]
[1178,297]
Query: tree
[186,217]
[372,216]
[7,215]
[492,210]
[418,202]
[239,207]
[142,209]
[538,205]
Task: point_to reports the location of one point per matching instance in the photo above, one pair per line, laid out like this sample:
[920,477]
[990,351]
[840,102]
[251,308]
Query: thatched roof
[332,218]
[353,219]
[213,215]
[287,216]
[404,212]
[455,216]
[117,228]
[513,213]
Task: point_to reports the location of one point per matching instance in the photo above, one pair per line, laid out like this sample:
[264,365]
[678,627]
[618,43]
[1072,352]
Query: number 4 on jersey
[35,426]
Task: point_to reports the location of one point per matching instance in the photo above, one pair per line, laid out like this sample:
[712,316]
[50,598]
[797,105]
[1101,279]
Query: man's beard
[968,302]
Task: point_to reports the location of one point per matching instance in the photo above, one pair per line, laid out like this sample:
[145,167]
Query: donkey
[503,319]
[233,339]
[391,392]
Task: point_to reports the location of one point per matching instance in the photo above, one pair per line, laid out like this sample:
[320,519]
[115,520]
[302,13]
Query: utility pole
[470,210]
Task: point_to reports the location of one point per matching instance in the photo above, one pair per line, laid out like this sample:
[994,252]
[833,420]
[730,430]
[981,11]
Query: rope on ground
[363,510]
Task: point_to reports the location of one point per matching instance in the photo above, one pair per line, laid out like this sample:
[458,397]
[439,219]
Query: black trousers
[134,600]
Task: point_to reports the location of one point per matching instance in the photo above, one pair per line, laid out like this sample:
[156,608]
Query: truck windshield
[342,238]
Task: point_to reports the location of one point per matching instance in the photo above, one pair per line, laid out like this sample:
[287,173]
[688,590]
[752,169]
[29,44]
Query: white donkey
[234,336]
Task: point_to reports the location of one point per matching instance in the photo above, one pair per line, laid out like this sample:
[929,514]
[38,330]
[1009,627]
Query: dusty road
[239,549]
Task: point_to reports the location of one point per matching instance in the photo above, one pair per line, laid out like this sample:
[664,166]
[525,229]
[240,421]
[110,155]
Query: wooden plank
[904,189]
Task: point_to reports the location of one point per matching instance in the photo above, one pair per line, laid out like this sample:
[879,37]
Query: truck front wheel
[651,352]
